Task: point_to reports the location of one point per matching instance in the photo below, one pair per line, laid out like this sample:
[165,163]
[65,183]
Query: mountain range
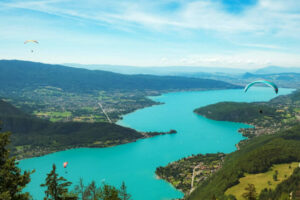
[17,75]
[184,70]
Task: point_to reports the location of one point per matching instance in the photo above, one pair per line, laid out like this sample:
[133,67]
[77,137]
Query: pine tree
[250,193]
[123,192]
[108,192]
[81,190]
[93,191]
[57,187]
[12,181]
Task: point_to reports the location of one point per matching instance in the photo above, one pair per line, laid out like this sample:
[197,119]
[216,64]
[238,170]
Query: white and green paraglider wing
[269,83]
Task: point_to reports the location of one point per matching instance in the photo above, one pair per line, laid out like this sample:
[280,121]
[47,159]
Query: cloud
[165,32]
[265,17]
[260,46]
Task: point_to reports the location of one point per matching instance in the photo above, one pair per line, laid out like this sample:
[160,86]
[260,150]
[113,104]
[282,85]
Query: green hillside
[32,136]
[235,111]
[59,93]
[256,156]
[17,75]
[278,114]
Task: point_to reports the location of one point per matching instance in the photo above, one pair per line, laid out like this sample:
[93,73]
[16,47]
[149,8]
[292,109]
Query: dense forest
[236,111]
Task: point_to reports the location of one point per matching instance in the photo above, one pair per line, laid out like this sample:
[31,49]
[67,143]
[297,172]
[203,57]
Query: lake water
[135,163]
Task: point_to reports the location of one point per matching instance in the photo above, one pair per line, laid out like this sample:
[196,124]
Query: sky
[218,33]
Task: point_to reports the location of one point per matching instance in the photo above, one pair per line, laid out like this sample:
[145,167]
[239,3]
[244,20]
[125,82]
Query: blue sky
[218,33]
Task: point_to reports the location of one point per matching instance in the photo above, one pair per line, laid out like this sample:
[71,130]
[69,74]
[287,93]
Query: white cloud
[261,46]
[267,16]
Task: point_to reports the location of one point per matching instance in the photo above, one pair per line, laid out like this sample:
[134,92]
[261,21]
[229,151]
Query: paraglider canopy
[31,41]
[269,83]
[27,41]
[65,164]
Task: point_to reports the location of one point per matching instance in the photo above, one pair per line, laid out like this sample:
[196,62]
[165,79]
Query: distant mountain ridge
[170,70]
[16,75]
[277,70]
[184,70]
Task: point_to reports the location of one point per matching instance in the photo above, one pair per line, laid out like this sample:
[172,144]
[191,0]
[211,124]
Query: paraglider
[65,164]
[269,83]
[27,41]
[31,41]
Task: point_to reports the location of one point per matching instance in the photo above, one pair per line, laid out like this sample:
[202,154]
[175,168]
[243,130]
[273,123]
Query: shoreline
[145,135]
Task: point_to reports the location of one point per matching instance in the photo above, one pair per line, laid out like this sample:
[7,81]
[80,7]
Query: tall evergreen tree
[93,191]
[123,192]
[109,193]
[250,193]
[12,180]
[82,190]
[57,187]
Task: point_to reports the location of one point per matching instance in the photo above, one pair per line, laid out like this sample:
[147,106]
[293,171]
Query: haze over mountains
[170,70]
[283,76]
[178,70]
[277,69]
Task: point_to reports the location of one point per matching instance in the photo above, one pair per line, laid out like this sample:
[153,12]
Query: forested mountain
[17,75]
[32,136]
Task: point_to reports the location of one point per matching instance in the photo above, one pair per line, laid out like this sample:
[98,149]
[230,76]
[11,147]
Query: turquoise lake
[135,163]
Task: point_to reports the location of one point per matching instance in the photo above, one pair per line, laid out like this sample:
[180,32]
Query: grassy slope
[261,180]
[257,156]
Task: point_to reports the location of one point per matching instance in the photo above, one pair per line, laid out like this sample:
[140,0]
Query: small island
[151,134]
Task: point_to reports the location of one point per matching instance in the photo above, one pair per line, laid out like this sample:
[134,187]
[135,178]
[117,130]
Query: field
[262,180]
[60,106]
